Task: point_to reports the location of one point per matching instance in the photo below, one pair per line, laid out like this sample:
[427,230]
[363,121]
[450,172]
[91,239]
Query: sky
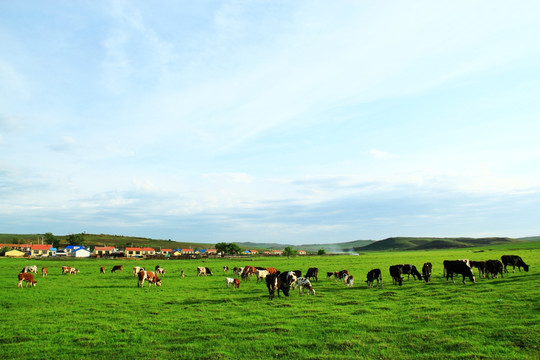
[295,122]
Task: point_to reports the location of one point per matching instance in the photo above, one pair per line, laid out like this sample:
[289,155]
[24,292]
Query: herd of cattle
[284,281]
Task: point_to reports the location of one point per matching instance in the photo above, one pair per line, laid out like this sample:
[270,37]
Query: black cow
[514,260]
[373,275]
[208,271]
[457,267]
[481,266]
[275,282]
[329,274]
[395,273]
[313,273]
[426,271]
[493,268]
[410,269]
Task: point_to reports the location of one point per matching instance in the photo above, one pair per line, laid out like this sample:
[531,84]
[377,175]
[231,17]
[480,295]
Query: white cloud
[382,155]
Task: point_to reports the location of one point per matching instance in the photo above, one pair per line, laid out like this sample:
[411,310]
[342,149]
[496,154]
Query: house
[148,251]
[166,252]
[187,251]
[254,252]
[266,252]
[40,250]
[134,252]
[211,251]
[177,252]
[71,248]
[80,253]
[14,253]
[247,252]
[276,252]
[302,252]
[21,247]
[103,250]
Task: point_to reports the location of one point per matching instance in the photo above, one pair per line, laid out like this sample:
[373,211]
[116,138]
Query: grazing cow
[341,274]
[262,274]
[457,267]
[102,270]
[395,273]
[229,281]
[305,283]
[410,269]
[28,278]
[247,272]
[30,269]
[312,273]
[349,280]
[275,282]
[148,276]
[514,260]
[426,271]
[182,274]
[201,270]
[160,271]
[238,271]
[44,271]
[73,271]
[65,270]
[329,275]
[481,266]
[289,277]
[236,283]
[208,271]
[373,275]
[137,269]
[117,268]
[493,268]
[225,268]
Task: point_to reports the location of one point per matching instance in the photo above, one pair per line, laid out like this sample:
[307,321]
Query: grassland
[95,316]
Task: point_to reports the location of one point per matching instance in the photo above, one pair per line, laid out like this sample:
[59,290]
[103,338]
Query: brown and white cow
[65,270]
[137,269]
[73,271]
[102,270]
[160,271]
[117,268]
[305,283]
[234,282]
[28,278]
[248,272]
[201,270]
[148,276]
[44,272]
[426,271]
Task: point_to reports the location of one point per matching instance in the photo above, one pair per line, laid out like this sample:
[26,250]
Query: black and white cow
[305,283]
[452,267]
[395,272]
[494,268]
[426,271]
[514,260]
[410,269]
[274,283]
[373,275]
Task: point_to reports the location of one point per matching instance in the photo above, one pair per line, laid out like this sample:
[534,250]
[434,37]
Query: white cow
[261,274]
[29,269]
[229,281]
[305,283]
[201,270]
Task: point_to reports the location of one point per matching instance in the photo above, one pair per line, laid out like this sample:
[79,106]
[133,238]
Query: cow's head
[158,283]
[526,267]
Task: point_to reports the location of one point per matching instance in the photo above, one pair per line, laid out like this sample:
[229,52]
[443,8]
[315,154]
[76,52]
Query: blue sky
[270,121]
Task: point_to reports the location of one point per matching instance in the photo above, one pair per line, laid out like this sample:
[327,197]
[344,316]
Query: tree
[75,239]
[234,248]
[288,251]
[228,248]
[321,252]
[51,239]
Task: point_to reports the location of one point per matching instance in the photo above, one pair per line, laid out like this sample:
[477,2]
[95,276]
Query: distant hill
[411,243]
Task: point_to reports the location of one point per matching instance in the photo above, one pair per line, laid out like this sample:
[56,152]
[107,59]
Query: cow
[234,282]
[237,283]
[102,270]
[426,271]
[289,277]
[225,268]
[395,273]
[312,273]
[262,274]
[44,272]
[349,280]
[137,269]
[275,282]
[493,268]
[208,271]
[148,276]
[372,275]
[410,269]
[247,272]
[73,271]
[481,266]
[30,269]
[182,274]
[305,283]
[65,270]
[514,260]
[27,277]
[329,275]
[160,271]
[272,270]
[117,268]
[457,267]
[201,270]
[341,274]
[238,270]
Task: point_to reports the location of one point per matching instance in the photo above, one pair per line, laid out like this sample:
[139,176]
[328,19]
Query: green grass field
[95,316]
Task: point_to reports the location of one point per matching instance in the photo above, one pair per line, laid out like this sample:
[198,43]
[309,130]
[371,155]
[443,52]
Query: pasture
[106,316]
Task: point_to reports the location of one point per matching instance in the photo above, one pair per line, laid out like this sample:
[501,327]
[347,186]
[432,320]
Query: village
[79,251]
